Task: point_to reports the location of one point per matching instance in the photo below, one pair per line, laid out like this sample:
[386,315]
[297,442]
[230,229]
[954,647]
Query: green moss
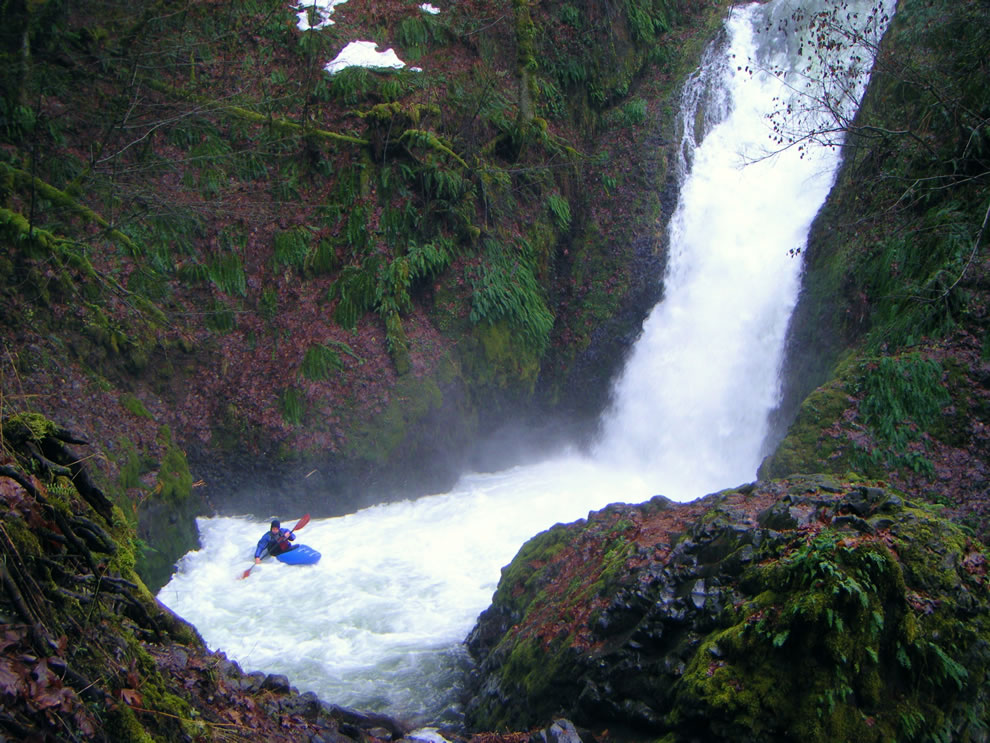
[411,399]
[809,447]
[134,406]
[32,426]
[122,725]
[505,359]
[132,467]
[866,658]
[515,589]
[174,478]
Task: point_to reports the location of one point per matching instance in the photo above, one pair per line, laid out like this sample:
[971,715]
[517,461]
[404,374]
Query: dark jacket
[274,545]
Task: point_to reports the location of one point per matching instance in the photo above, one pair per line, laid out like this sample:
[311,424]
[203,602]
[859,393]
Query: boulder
[797,609]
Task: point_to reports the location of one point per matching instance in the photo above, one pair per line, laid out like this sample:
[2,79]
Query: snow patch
[364,54]
[429,8]
[321,11]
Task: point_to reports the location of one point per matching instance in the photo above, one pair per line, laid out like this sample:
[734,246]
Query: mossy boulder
[799,609]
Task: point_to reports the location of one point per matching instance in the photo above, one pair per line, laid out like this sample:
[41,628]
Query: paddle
[299,525]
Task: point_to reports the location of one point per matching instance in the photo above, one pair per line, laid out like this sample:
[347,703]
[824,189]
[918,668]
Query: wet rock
[306,705]
[250,683]
[852,522]
[562,731]
[353,721]
[277,683]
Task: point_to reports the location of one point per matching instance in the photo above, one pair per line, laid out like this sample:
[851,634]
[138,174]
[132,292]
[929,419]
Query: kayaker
[275,541]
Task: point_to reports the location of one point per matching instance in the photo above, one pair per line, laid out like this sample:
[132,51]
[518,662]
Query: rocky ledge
[799,609]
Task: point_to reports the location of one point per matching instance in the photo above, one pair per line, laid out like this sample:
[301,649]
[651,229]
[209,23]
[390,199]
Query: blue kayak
[300,554]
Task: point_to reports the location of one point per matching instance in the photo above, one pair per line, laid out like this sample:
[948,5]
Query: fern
[220,318]
[561,210]
[180,230]
[413,35]
[508,290]
[268,304]
[948,668]
[355,292]
[319,362]
[292,404]
[351,85]
[292,247]
[285,187]
[392,287]
[227,274]
[323,259]
[193,273]
[901,396]
[432,259]
[634,112]
[357,227]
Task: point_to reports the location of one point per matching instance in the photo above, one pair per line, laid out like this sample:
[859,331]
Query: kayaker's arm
[263,545]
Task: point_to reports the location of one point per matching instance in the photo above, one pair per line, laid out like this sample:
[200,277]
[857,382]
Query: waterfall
[378,623]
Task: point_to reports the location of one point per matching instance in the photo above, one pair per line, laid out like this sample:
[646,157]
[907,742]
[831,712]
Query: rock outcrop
[798,609]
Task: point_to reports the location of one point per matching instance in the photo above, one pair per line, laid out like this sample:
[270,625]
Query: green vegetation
[292,404]
[506,289]
[901,398]
[872,667]
[320,362]
[134,406]
[174,479]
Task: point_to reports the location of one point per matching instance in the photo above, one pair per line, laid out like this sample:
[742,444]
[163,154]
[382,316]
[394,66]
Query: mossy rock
[812,609]
[808,447]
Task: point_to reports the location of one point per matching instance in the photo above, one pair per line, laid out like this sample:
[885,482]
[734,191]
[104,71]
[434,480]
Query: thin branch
[972,255]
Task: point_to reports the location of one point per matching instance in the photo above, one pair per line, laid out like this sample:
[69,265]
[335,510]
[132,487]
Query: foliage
[893,260]
[174,478]
[839,45]
[505,288]
[292,247]
[322,259]
[561,210]
[292,404]
[220,317]
[901,397]
[801,608]
[320,362]
[227,274]
[268,304]
[354,291]
[133,405]
[845,610]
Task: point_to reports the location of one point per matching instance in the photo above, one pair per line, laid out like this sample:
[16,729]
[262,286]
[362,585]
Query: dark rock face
[800,609]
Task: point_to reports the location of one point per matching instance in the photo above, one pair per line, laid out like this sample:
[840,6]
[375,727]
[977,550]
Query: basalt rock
[800,609]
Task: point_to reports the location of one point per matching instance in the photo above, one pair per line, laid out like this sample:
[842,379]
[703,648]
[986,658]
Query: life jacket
[278,545]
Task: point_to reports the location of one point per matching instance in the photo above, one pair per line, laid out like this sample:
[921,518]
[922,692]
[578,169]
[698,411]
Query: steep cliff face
[326,286]
[893,318]
[800,609]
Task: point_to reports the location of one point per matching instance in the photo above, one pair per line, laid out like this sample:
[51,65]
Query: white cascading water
[378,623]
